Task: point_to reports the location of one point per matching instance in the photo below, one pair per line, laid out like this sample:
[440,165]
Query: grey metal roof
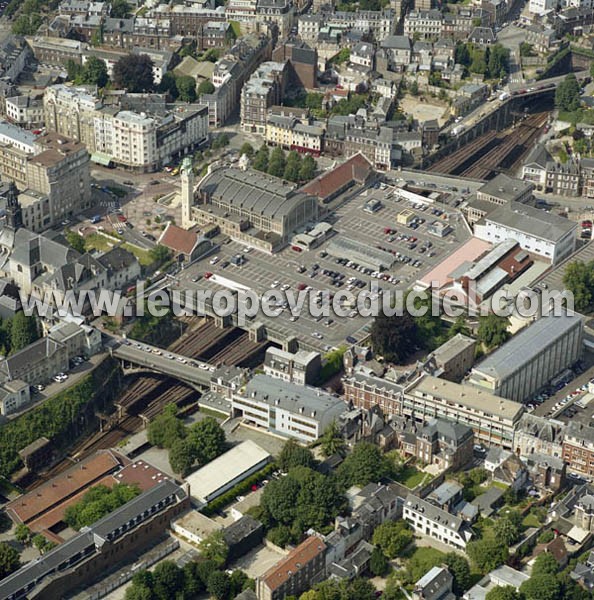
[525,345]
[254,192]
[506,188]
[396,42]
[532,221]
[312,402]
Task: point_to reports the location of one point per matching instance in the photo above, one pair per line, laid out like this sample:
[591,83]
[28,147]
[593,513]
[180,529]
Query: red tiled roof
[80,476]
[355,169]
[295,560]
[177,239]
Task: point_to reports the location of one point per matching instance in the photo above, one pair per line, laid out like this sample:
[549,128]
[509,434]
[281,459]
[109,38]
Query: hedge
[241,488]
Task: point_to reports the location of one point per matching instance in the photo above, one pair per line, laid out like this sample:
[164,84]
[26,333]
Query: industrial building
[531,358]
[226,471]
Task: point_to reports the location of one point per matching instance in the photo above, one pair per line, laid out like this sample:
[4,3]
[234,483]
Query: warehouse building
[226,471]
[531,358]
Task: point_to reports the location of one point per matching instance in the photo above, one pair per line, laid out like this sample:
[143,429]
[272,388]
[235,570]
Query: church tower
[14,213]
[187,193]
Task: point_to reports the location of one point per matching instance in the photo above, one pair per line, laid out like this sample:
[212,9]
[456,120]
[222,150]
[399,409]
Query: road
[511,37]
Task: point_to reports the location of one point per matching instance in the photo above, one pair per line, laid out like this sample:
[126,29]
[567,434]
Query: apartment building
[25,111]
[367,391]
[563,179]
[424,24]
[133,139]
[293,133]
[531,358]
[265,88]
[302,368]
[287,409]
[297,572]
[493,419]
[432,521]
[578,449]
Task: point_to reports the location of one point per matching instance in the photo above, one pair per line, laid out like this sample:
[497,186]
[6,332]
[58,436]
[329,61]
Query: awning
[101,158]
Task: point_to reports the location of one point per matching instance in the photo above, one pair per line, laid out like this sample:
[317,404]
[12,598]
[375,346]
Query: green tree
[120,9]
[293,167]
[138,592]
[392,537]
[492,330]
[487,554]
[181,456]
[221,141]
[24,330]
[541,587]
[168,84]
[294,455]
[205,87]
[159,254]
[22,534]
[208,440]
[423,560]
[76,241]
[460,570]
[276,163]
[378,564]
[462,55]
[459,326]
[545,564]
[498,61]
[579,280]
[506,531]
[186,88]
[395,337]
[364,464]
[507,592]
[218,585]
[9,560]
[214,548]
[94,72]
[414,88]
[313,101]
[40,542]
[567,95]
[261,159]
[134,72]
[247,149]
[308,168]
[27,24]
[168,580]
[166,428]
[332,441]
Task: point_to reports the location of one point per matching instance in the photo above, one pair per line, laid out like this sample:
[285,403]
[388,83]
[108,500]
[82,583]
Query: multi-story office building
[531,358]
[492,418]
[288,409]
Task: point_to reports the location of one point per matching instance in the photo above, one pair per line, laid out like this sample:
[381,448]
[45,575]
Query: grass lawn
[143,256]
[531,520]
[98,242]
[411,477]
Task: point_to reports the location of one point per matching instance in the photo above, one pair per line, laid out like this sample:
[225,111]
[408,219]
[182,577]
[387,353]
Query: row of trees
[292,167]
[167,581]
[98,502]
[492,62]
[188,446]
[18,332]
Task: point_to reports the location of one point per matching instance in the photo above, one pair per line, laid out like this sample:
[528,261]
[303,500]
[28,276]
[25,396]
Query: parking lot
[412,248]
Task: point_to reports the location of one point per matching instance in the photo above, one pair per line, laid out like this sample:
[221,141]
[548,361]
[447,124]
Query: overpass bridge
[151,358]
